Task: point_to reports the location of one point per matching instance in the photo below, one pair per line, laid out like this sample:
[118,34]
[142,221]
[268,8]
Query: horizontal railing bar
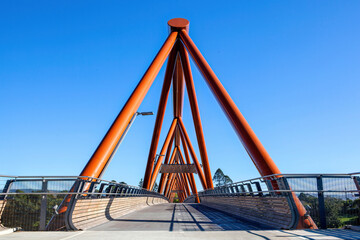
[277,191]
[45,176]
[42,179]
[76,193]
[290,175]
[124,194]
[67,178]
[312,174]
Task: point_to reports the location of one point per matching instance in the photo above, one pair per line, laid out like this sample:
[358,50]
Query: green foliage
[141,183]
[156,186]
[227,180]
[338,212]
[333,208]
[176,198]
[24,210]
[221,179]
[218,177]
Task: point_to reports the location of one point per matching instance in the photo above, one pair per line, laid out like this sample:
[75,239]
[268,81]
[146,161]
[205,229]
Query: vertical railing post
[321,199]
[357,182]
[43,206]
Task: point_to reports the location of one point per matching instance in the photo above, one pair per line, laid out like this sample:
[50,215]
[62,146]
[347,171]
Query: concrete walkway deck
[160,235]
[176,217]
[183,221]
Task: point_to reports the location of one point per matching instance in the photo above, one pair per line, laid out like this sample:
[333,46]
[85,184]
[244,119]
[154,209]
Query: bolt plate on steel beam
[178,168]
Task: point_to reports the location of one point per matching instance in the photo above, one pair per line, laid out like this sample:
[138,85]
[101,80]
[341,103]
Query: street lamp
[144,113]
[156,159]
[123,136]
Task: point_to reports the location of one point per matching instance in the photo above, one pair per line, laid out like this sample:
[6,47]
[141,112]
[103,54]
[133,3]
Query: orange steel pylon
[177,143]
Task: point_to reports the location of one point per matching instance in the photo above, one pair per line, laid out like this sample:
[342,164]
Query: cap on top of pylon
[177,24]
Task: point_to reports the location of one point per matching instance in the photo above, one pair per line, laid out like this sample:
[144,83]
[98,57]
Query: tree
[176,198]
[23,210]
[221,179]
[227,180]
[334,207]
[156,186]
[141,183]
[218,177]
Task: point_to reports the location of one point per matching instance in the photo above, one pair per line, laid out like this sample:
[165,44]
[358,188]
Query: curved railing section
[36,202]
[331,200]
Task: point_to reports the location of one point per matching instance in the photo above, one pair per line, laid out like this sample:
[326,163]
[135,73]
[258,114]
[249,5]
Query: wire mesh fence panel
[27,204]
[340,197]
[311,203]
[332,200]
[302,184]
[32,203]
[22,211]
[339,211]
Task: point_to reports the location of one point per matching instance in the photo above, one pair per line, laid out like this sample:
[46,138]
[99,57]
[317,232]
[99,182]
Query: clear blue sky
[67,68]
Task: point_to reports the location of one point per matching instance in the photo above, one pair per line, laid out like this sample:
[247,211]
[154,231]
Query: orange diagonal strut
[159,117]
[100,157]
[178,73]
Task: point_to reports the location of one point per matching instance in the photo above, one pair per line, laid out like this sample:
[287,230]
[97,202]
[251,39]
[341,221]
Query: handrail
[290,175]
[73,193]
[70,178]
[264,185]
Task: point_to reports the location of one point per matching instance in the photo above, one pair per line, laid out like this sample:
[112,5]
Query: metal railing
[332,200]
[30,202]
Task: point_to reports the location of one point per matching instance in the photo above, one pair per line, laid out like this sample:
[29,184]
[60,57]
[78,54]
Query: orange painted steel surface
[177,24]
[175,186]
[166,161]
[182,182]
[178,69]
[190,175]
[252,144]
[168,181]
[171,175]
[172,159]
[178,93]
[184,175]
[171,184]
[173,180]
[163,150]
[304,221]
[178,87]
[160,117]
[162,183]
[187,158]
[193,154]
[182,187]
[187,184]
[100,157]
[166,175]
[196,115]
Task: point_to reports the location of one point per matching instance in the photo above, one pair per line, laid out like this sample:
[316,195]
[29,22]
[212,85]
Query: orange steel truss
[177,143]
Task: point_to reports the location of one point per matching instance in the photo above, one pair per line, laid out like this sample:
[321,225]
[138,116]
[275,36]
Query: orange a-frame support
[178,73]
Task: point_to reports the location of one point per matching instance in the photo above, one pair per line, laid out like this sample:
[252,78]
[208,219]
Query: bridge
[274,205]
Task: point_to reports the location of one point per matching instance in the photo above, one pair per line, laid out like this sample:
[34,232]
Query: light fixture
[122,137]
[144,113]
